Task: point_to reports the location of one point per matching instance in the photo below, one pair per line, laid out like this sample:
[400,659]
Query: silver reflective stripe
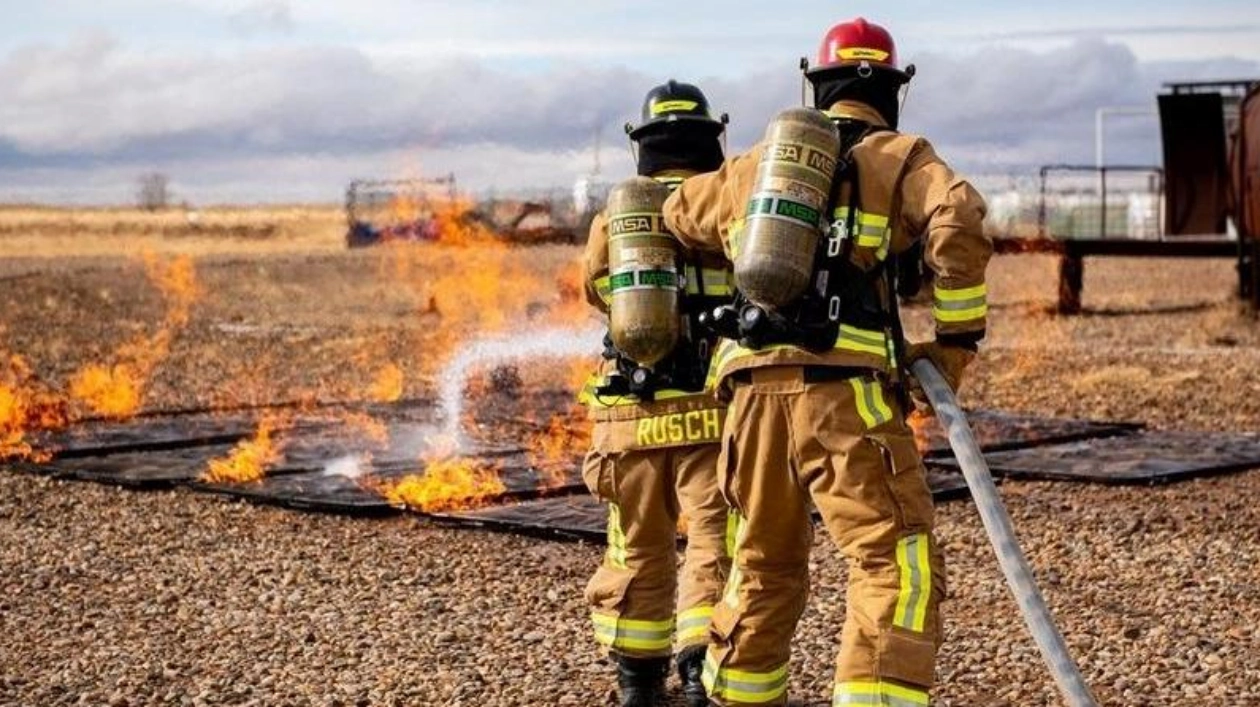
[962,304]
[878,409]
[726,684]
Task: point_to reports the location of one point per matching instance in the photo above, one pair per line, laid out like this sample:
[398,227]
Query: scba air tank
[774,259]
[643,272]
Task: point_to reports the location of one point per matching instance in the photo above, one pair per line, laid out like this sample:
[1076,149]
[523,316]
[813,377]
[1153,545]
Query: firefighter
[654,448]
[816,381]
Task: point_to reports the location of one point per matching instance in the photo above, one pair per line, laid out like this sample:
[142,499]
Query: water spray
[544,344]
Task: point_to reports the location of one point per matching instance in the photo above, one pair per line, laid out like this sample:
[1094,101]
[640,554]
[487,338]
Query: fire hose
[997,524]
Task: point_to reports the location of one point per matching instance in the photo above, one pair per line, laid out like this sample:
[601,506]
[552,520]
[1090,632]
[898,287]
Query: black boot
[690,668]
[642,680]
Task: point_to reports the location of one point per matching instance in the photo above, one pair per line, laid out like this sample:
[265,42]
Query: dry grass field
[173,598]
[50,232]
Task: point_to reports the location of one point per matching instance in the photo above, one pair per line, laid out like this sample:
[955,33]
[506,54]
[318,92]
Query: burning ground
[110,597]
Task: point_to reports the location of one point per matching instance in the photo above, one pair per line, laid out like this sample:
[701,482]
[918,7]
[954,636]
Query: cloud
[93,107]
[93,98]
[1122,30]
[1006,108]
[263,16]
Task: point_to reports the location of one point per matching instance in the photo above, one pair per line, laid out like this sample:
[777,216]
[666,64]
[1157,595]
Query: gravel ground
[110,597]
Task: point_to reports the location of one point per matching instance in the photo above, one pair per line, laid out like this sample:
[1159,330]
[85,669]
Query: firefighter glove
[950,360]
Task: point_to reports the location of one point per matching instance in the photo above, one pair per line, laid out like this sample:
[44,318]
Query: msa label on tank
[783,209]
[643,279]
[803,155]
[636,224]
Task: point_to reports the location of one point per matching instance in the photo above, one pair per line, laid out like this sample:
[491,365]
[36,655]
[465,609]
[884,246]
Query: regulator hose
[997,524]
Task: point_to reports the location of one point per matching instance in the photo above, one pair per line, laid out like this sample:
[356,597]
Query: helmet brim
[663,123]
[833,71]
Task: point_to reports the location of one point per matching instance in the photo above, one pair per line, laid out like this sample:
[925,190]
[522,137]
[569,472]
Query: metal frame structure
[1102,172]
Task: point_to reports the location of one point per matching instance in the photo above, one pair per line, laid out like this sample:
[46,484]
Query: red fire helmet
[860,45]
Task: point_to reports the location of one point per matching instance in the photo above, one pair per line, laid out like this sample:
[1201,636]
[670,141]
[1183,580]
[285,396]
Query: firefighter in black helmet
[654,450]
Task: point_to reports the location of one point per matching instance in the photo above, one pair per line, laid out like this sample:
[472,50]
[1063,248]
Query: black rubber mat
[137,469]
[996,430]
[582,517]
[312,491]
[1148,457]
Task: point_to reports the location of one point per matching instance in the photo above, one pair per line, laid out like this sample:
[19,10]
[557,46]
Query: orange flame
[446,484]
[388,386]
[111,392]
[456,225]
[919,423]
[117,391]
[24,408]
[250,458]
[552,452]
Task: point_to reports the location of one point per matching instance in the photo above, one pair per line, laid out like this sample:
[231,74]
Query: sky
[287,100]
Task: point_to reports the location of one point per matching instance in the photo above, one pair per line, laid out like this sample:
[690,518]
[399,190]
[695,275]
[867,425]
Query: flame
[446,484]
[570,288]
[176,279]
[919,422]
[250,458]
[553,451]
[117,391]
[25,407]
[388,386]
[456,224]
[113,392]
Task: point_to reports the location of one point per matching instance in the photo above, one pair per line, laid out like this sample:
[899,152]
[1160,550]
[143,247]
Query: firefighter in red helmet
[816,378]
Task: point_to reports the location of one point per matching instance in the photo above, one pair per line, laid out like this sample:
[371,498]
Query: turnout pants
[844,445]
[640,606]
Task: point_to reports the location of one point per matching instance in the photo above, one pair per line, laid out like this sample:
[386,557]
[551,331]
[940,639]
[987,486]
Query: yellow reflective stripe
[735,236]
[732,529]
[717,282]
[849,338]
[616,632]
[862,340]
[673,106]
[871,406]
[963,315]
[915,587]
[586,396]
[603,288]
[945,295]
[744,685]
[616,554]
[694,623]
[961,305]
[730,595]
[860,53]
[589,398]
[872,230]
[882,694]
